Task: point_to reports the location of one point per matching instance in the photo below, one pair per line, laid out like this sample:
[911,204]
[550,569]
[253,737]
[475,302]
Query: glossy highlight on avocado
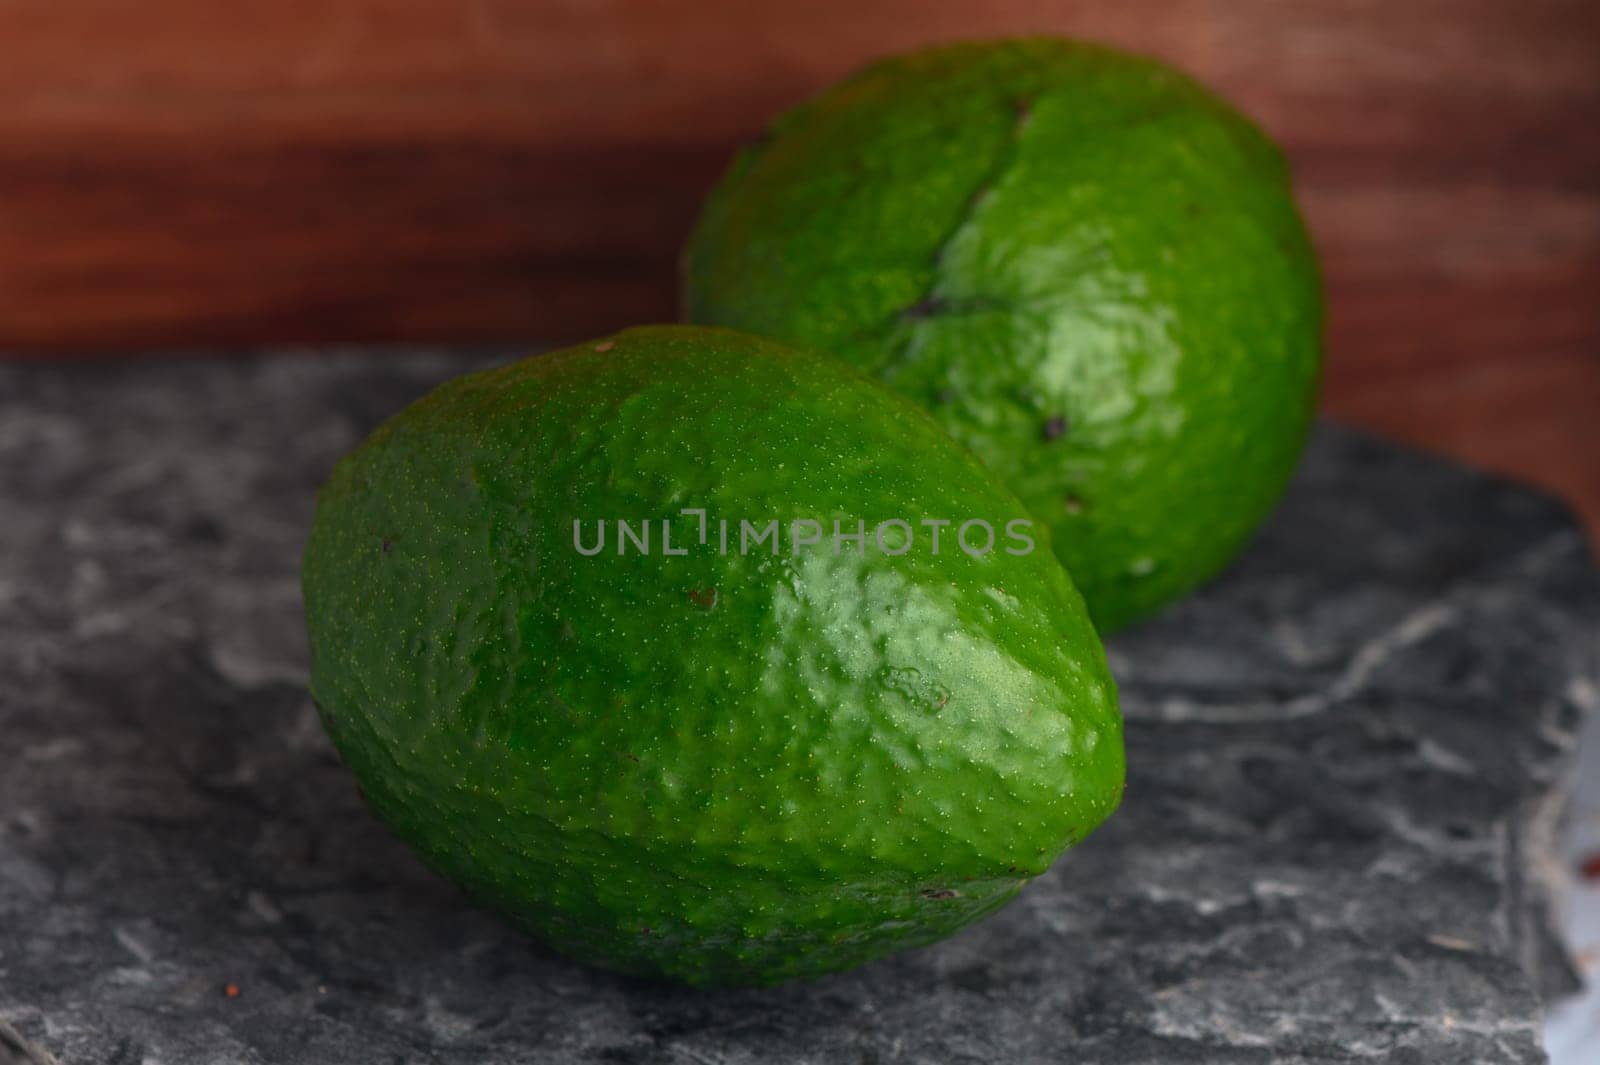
[720,768]
[1087,267]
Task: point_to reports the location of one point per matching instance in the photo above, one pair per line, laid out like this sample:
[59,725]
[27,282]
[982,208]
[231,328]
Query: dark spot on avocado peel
[926,307]
[1072,504]
[939,893]
[704,598]
[1055,428]
[388,544]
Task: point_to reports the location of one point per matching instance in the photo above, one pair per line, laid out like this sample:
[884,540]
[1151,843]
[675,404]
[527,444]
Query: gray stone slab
[1343,767]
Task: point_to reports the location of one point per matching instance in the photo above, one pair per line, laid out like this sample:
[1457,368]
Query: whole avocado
[722,764]
[1089,268]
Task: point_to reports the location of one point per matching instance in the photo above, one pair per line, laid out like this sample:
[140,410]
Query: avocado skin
[1087,266]
[723,770]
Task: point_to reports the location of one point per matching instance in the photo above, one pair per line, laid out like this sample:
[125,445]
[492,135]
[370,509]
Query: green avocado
[1086,266]
[674,751]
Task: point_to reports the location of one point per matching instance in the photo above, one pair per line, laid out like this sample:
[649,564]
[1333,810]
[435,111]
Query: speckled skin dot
[724,769]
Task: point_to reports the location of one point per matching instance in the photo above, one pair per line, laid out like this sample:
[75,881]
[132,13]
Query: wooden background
[194,174]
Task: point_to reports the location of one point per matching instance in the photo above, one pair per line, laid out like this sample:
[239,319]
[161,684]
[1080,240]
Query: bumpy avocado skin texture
[1089,268]
[725,770]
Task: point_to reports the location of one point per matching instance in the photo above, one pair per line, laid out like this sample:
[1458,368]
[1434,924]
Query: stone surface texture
[1345,758]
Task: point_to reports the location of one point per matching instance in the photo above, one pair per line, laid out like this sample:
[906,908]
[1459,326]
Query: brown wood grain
[191,174]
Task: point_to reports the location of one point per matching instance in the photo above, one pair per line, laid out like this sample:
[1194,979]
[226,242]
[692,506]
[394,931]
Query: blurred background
[200,176]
